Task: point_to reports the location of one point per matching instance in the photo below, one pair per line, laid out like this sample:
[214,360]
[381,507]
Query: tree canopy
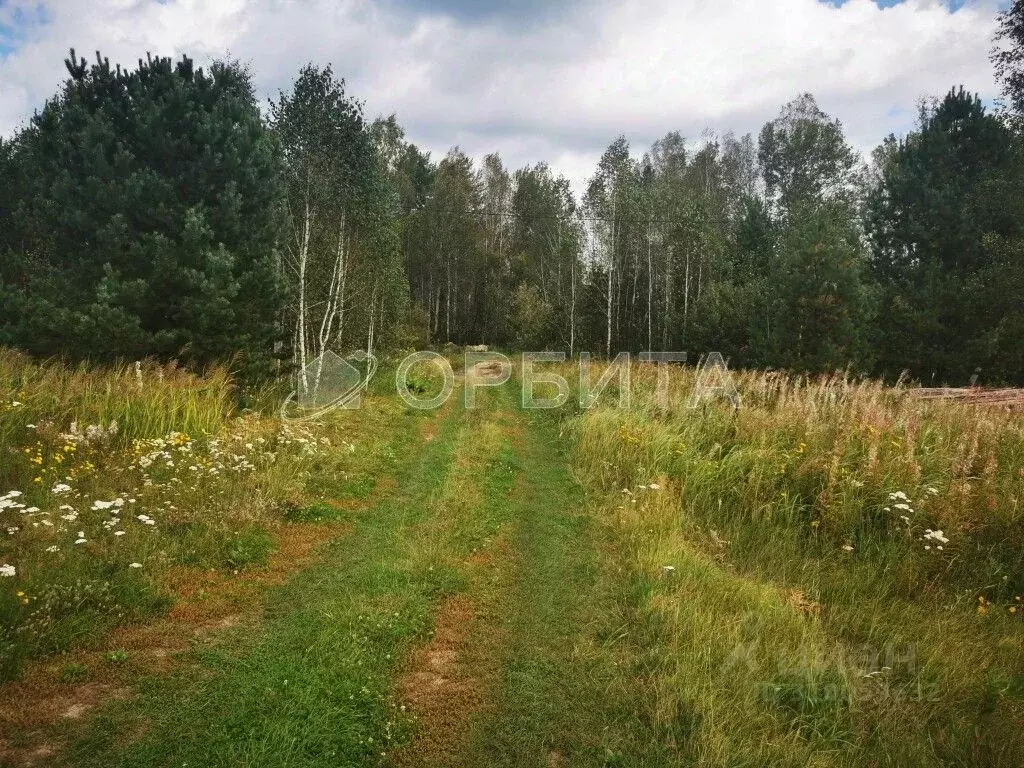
[156,211]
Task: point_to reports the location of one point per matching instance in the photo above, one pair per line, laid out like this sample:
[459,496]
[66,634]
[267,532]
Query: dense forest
[160,211]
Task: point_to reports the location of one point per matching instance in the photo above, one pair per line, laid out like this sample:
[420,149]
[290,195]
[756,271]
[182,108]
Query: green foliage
[342,260]
[531,318]
[247,548]
[73,672]
[153,212]
[945,221]
[804,157]
[315,513]
[142,218]
[821,293]
[1008,56]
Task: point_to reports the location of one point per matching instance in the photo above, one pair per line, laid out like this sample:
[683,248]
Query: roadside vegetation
[112,478]
[830,575]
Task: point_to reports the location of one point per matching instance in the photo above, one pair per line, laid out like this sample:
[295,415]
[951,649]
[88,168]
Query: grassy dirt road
[459,619]
[499,586]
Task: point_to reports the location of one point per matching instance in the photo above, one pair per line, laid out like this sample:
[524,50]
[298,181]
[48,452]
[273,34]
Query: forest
[163,212]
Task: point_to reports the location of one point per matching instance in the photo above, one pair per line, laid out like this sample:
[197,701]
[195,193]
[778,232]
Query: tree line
[159,211]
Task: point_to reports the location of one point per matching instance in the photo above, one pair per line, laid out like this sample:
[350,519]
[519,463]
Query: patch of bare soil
[428,431]
[486,370]
[205,602]
[441,688]
[450,678]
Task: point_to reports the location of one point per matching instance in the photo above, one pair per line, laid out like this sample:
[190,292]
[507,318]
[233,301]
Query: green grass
[778,586]
[93,517]
[692,587]
[315,513]
[315,685]
[562,698]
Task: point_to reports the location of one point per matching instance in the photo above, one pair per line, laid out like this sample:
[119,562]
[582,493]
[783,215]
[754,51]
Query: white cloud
[558,91]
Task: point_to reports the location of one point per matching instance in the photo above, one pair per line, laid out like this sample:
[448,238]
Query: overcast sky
[554,81]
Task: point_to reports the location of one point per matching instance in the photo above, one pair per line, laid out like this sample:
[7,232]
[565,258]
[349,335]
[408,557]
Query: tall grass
[144,400]
[834,569]
[111,476]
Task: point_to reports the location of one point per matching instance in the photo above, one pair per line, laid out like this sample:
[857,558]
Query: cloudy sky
[535,80]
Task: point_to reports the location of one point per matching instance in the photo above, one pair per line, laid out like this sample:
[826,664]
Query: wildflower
[134,565]
[119,533]
[932,491]
[11,495]
[15,404]
[8,570]
[815,523]
[935,536]
[848,547]
[53,548]
[654,487]
[60,488]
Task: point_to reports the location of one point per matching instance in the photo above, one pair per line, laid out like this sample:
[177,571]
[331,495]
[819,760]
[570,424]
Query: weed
[73,672]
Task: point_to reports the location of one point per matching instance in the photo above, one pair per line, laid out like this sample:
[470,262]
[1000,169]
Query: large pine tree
[141,218]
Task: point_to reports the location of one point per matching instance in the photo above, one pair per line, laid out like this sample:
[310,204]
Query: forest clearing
[619,384]
[830,575]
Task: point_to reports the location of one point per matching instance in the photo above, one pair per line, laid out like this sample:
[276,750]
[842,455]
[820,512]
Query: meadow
[109,478]
[829,574]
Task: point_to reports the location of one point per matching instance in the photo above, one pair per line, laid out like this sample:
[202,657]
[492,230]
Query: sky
[551,81]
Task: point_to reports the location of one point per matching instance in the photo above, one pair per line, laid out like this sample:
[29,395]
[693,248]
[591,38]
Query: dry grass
[831,574]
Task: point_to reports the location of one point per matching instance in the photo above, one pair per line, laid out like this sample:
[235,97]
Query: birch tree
[334,204]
